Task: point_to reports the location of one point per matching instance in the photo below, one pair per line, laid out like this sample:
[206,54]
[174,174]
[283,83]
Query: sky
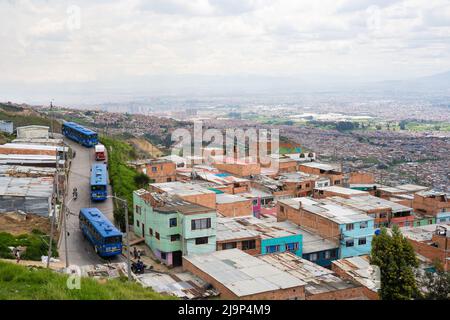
[81,44]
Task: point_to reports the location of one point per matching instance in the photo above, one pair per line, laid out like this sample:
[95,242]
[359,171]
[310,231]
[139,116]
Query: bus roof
[98,174]
[79,128]
[99,148]
[100,222]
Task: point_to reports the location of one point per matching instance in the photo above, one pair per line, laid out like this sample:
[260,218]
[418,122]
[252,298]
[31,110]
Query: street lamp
[127,232]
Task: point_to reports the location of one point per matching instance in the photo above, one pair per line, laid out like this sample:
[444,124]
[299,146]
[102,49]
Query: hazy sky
[46,41]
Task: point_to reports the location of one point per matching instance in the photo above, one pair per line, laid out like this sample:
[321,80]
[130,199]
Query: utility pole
[55,201]
[128,240]
[125,204]
[52,118]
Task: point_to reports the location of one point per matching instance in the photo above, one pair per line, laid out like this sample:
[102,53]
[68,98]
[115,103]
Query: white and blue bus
[104,236]
[99,182]
[80,134]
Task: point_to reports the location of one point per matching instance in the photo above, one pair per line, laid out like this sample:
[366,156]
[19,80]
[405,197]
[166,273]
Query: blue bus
[99,182]
[103,235]
[80,134]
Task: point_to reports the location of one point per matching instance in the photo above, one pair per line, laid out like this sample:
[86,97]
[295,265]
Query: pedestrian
[18,256]
[135,252]
[139,254]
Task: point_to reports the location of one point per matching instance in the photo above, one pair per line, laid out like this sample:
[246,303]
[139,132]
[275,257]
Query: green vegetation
[22,118]
[36,245]
[31,283]
[436,284]
[163,139]
[395,257]
[124,180]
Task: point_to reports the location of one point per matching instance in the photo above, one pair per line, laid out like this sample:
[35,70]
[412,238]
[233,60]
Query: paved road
[80,250]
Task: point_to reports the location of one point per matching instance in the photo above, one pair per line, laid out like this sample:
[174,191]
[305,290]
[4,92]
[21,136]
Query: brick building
[431,202]
[431,241]
[233,273]
[158,170]
[351,230]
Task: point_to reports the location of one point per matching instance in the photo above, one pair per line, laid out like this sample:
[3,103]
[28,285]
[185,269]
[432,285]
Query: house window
[150,231]
[157,235]
[307,185]
[292,246]
[349,227]
[337,182]
[272,249]
[154,169]
[248,244]
[363,224]
[333,254]
[198,224]
[349,243]
[229,245]
[281,209]
[172,222]
[138,209]
[201,240]
[163,255]
[175,237]
[362,241]
[137,223]
[327,254]
[313,257]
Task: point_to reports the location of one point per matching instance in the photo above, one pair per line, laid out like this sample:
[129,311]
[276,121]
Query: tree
[141,180]
[436,284]
[395,257]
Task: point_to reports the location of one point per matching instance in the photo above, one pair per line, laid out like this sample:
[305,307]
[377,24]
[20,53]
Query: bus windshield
[111,240]
[98,188]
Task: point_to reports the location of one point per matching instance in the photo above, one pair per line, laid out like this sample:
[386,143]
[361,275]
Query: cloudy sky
[47,42]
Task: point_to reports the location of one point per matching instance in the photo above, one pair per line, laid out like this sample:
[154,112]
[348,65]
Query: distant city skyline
[69,50]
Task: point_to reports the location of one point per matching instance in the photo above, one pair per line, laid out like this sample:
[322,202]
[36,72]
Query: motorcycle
[138,267]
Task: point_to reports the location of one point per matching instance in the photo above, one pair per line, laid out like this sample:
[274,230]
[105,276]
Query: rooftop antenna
[52,118]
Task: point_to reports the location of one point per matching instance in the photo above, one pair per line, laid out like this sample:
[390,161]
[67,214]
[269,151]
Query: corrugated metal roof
[242,273]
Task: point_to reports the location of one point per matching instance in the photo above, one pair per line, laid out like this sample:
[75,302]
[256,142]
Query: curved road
[80,250]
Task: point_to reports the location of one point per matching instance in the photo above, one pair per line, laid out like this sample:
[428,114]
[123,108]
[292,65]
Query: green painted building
[173,227]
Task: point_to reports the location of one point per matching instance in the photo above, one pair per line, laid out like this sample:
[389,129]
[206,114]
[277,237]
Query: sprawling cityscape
[224,187]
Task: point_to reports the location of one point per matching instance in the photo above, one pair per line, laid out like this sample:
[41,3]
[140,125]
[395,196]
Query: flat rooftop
[182,285]
[223,198]
[327,209]
[181,188]
[422,233]
[322,166]
[169,203]
[311,241]
[370,203]
[411,187]
[318,279]
[41,187]
[360,270]
[344,191]
[242,273]
[229,229]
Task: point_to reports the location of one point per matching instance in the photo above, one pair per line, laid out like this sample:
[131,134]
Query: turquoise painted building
[356,236]
[351,230]
[443,217]
[173,227]
[292,243]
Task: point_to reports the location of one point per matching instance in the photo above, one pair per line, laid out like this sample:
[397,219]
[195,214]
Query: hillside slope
[22,283]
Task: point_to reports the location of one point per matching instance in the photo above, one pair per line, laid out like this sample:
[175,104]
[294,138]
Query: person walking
[18,256]
[135,254]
